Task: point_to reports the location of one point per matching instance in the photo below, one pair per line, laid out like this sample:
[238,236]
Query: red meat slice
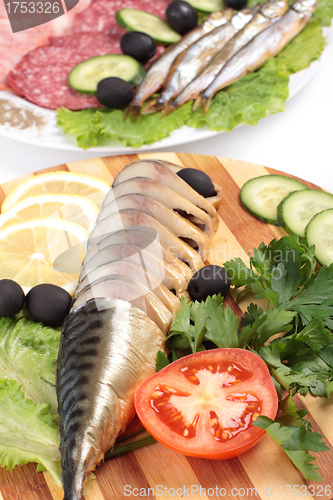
[41,75]
[100,15]
[14,45]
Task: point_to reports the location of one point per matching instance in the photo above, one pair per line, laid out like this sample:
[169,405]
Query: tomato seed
[157,394]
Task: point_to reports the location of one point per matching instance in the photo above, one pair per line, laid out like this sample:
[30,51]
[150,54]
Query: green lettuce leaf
[28,355]
[303,49]
[33,437]
[246,101]
[80,124]
[135,132]
[324,12]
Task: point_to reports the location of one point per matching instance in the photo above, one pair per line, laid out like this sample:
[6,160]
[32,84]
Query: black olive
[181,16]
[114,92]
[235,4]
[11,298]
[209,280]
[48,304]
[198,180]
[138,45]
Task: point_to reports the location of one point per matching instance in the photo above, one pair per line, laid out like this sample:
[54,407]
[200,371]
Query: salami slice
[100,15]
[14,45]
[41,75]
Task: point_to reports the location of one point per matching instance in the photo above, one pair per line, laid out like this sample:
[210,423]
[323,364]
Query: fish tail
[206,104]
[168,108]
[133,110]
[72,482]
[197,103]
[152,107]
[72,495]
[202,101]
[128,112]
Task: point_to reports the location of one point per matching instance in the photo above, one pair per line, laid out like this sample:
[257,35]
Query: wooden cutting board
[155,471]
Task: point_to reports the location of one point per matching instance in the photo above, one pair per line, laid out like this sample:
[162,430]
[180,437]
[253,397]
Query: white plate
[51,136]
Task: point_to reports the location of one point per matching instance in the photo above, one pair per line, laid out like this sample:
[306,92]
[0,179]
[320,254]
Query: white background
[298,141]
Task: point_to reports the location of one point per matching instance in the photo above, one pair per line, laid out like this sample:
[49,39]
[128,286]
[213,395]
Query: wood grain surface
[156,472]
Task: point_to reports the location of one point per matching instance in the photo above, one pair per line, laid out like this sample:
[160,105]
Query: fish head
[219,17]
[305,6]
[274,8]
[242,17]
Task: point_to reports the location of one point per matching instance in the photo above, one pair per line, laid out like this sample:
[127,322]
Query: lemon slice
[29,249]
[61,182]
[76,209]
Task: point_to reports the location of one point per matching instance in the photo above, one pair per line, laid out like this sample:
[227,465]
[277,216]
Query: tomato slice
[203,404]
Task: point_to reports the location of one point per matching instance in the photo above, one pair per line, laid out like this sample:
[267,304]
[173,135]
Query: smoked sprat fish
[158,72]
[131,279]
[191,61]
[224,54]
[269,13]
[265,45]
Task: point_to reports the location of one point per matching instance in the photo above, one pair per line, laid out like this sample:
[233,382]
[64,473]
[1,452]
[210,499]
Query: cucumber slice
[207,5]
[262,195]
[298,208]
[319,232]
[85,76]
[156,27]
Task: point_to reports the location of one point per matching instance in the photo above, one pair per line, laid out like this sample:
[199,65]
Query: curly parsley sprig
[293,335]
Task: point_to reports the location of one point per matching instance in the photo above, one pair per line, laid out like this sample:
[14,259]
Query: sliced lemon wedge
[74,208]
[29,249]
[61,182]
